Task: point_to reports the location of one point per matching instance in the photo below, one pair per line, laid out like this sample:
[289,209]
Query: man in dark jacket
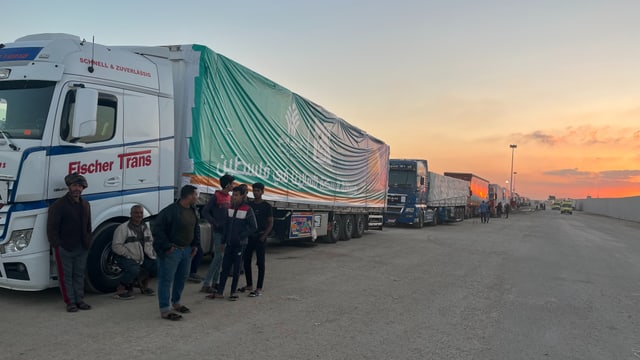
[69,233]
[263,212]
[241,223]
[176,238]
[215,212]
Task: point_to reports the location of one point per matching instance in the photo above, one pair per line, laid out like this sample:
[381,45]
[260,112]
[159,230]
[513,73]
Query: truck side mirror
[85,113]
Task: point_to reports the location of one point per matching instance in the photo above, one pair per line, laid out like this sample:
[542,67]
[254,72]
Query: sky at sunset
[455,82]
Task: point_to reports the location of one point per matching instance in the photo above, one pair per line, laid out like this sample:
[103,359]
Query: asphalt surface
[538,285]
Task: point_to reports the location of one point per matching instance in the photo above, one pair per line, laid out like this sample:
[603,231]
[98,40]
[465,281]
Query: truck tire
[347,227]
[103,273]
[334,234]
[360,225]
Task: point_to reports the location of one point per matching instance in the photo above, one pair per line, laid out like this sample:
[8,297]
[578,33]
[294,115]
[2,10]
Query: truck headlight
[19,240]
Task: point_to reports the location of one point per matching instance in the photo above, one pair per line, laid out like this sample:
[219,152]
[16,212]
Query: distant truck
[417,196]
[497,195]
[447,198]
[140,122]
[478,190]
[407,194]
[566,207]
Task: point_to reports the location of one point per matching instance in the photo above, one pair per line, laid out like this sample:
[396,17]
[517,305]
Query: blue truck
[407,194]
[417,196]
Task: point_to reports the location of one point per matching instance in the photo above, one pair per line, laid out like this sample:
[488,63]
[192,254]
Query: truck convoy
[140,122]
[417,196]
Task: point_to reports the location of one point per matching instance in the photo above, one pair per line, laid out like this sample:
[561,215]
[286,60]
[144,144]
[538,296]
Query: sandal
[207,289]
[72,308]
[123,296]
[214,296]
[182,309]
[171,316]
[83,306]
[255,293]
[233,297]
[148,292]
[245,288]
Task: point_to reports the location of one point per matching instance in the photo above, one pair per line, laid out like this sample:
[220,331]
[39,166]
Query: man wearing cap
[69,233]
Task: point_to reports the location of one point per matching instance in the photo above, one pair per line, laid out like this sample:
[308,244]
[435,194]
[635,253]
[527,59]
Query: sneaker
[123,296]
[194,278]
[255,293]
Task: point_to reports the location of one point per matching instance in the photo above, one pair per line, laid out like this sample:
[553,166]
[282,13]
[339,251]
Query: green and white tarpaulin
[246,125]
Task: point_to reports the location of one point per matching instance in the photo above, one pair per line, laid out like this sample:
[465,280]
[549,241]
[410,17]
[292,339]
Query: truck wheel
[333,235]
[102,270]
[359,227]
[347,227]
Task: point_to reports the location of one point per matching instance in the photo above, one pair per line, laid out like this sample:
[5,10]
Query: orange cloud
[583,135]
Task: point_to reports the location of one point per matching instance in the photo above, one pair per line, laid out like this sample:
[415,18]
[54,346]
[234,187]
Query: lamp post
[513,147]
[514,180]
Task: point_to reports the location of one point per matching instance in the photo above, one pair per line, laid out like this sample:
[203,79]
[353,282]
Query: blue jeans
[213,273]
[131,268]
[173,270]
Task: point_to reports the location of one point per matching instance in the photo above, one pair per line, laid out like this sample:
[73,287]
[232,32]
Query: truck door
[140,160]
[96,157]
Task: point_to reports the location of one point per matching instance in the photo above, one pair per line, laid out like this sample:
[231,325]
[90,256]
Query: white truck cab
[65,108]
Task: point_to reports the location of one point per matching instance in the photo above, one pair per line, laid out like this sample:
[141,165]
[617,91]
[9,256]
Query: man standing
[215,212]
[483,212]
[69,233]
[176,237]
[264,217]
[240,224]
[133,248]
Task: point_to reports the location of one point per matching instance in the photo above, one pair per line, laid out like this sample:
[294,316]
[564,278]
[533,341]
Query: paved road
[539,285]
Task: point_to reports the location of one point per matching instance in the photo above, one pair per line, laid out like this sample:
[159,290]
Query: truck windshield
[401,178]
[24,106]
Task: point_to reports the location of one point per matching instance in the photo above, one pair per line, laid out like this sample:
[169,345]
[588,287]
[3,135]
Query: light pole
[513,147]
[514,180]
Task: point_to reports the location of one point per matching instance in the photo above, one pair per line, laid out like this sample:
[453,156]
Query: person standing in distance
[215,212]
[176,238]
[69,233]
[263,212]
